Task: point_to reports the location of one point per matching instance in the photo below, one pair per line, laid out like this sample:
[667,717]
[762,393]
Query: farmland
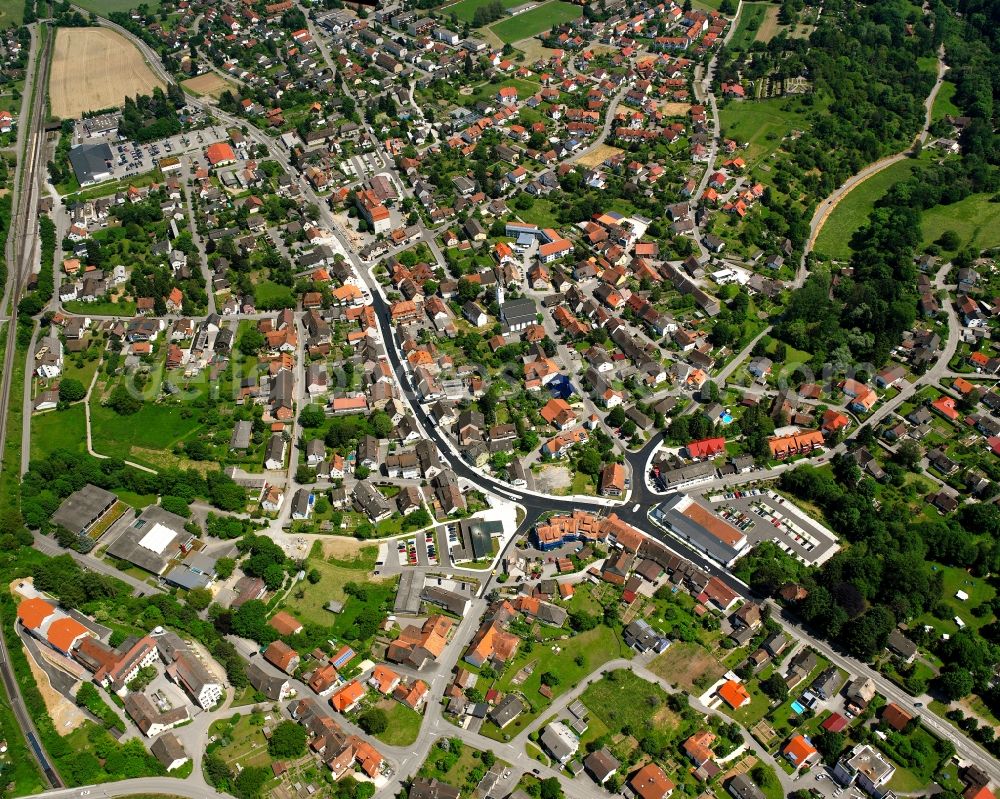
[943,103]
[751,19]
[95,68]
[533,22]
[11,12]
[59,429]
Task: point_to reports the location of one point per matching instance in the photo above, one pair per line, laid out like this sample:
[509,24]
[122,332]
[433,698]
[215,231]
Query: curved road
[632,512]
[826,207]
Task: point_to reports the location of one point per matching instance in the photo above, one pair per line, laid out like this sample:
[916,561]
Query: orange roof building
[799,751]
[65,633]
[798,444]
[946,407]
[220,154]
[834,420]
[963,386]
[412,695]
[285,623]
[32,612]
[650,782]
[347,698]
[734,694]
[706,448]
[699,747]
[557,412]
[383,679]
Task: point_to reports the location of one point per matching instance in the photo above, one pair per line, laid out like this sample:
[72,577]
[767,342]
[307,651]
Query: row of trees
[48,482]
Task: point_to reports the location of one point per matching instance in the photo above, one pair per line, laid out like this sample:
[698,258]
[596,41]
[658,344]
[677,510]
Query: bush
[71,390]
[373,721]
[287,740]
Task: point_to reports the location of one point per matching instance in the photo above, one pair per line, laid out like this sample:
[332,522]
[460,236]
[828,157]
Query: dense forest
[863,68]
[973,54]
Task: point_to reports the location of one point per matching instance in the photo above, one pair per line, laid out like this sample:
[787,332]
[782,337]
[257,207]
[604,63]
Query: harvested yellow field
[95,68]
[209,83]
[599,155]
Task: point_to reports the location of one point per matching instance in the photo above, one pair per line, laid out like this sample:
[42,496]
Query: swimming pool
[797,708]
[726,418]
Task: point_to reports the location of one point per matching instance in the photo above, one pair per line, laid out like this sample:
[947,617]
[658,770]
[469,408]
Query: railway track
[21,239]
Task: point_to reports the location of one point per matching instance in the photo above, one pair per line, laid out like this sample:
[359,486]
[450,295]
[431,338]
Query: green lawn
[11,12]
[533,22]
[465,10]
[595,647]
[488,91]
[764,123]
[457,772]
[125,308]
[627,701]
[954,580]
[750,20]
[852,211]
[135,500]
[944,104]
[404,724]
[975,219]
[84,373]
[541,213]
[155,427]
[59,430]
[271,294]
[333,578]
[241,743]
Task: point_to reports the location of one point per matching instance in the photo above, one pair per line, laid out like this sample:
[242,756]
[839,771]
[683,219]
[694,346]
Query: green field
[533,22]
[105,7]
[465,10]
[596,647]
[625,701]
[943,104]
[488,91]
[137,501]
[155,427]
[11,12]
[954,580]
[333,578]
[852,211]
[975,219]
[404,724]
[59,430]
[267,293]
[764,123]
[750,21]
[125,308]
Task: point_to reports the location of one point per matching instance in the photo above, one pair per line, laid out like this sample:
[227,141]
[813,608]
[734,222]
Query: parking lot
[418,550]
[132,159]
[763,515]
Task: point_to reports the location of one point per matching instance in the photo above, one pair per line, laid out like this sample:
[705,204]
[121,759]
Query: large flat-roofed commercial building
[91,163]
[688,519]
[82,509]
[152,541]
